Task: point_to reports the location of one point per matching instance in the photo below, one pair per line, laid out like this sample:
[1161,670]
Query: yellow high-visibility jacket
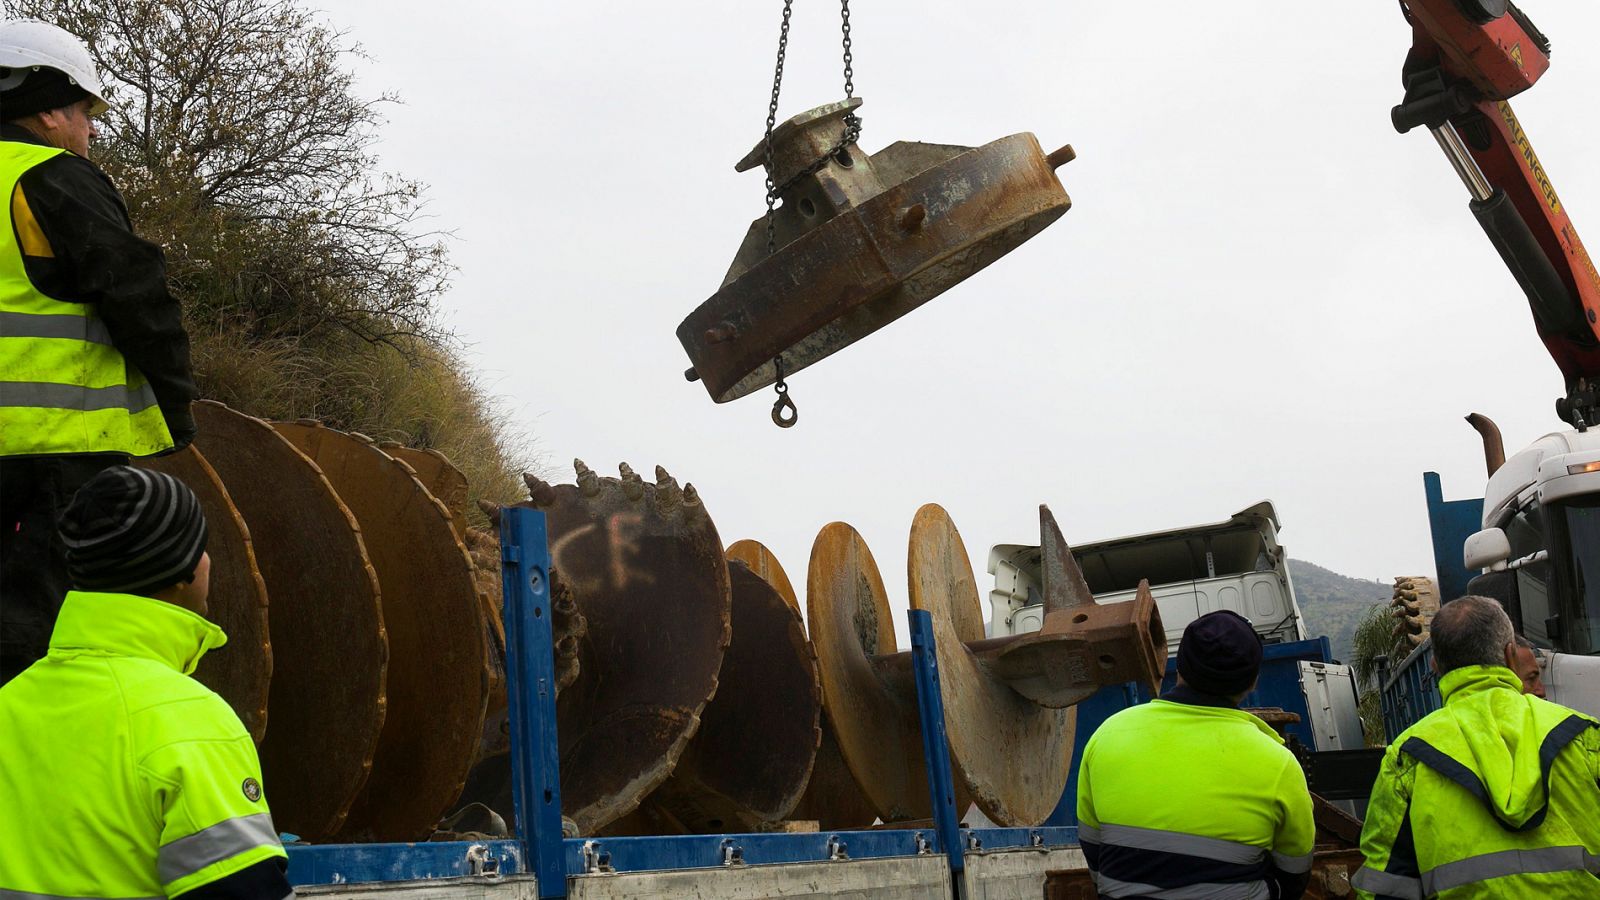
[120,776]
[63,387]
[1493,796]
[1183,800]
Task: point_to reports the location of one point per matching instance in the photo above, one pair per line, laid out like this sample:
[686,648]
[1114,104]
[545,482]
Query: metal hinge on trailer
[596,859]
[482,861]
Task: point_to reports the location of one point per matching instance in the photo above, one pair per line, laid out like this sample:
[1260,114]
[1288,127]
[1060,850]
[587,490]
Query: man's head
[1220,655]
[1522,659]
[49,85]
[1472,631]
[133,531]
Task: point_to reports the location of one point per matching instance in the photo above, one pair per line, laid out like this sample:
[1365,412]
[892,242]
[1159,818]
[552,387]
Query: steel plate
[440,476]
[327,698]
[761,561]
[872,707]
[751,759]
[438,666]
[831,799]
[1012,755]
[645,566]
[240,670]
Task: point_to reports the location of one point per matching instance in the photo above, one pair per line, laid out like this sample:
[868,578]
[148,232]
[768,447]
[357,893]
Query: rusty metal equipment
[438,678]
[327,630]
[1010,744]
[241,671]
[860,241]
[645,565]
[832,798]
[751,760]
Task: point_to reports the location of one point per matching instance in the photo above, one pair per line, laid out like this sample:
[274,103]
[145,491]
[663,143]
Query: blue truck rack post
[540,848]
[935,745]
[1450,523]
[531,692]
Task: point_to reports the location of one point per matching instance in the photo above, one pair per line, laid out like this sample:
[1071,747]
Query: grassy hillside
[1334,603]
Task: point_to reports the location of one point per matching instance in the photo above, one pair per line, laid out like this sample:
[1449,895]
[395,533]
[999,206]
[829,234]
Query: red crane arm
[1468,58]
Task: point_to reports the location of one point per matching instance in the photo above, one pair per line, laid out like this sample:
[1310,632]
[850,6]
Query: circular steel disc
[438,667]
[873,712]
[440,476]
[645,565]
[831,798]
[763,563]
[749,763]
[327,696]
[1012,755]
[241,670]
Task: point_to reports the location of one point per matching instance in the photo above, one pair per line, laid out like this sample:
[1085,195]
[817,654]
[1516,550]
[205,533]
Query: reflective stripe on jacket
[1494,795]
[121,776]
[63,387]
[1185,801]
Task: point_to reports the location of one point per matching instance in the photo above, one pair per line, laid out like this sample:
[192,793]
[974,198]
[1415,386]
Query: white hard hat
[28,46]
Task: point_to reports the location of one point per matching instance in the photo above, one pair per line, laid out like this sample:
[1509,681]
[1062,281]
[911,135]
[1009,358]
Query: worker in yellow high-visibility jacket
[121,776]
[94,360]
[1189,796]
[1494,795]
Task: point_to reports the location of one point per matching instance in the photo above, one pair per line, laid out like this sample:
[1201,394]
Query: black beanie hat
[132,531]
[42,89]
[1220,654]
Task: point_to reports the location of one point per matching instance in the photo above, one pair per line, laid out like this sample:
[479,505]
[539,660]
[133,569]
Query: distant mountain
[1334,603]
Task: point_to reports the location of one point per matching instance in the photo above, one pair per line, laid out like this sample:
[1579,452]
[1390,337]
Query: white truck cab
[1539,554]
[1236,564]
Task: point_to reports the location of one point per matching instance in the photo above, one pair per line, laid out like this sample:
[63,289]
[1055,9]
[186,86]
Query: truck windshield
[1575,556]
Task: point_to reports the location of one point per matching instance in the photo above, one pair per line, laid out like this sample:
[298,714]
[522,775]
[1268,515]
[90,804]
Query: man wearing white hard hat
[94,361]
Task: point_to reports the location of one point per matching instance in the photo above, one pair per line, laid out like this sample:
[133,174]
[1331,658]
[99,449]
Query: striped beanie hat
[132,531]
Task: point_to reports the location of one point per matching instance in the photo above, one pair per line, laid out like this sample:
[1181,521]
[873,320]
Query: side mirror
[1488,549]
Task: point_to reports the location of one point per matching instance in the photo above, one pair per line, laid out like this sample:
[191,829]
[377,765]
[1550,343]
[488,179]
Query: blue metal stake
[531,687]
[935,745]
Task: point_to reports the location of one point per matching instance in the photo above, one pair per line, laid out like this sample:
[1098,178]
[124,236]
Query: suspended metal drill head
[861,241]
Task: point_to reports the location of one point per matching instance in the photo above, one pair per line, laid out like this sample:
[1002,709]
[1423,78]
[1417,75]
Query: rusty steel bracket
[1082,646]
[1007,700]
[860,242]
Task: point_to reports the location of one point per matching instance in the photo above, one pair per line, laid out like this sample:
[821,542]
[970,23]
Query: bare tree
[238,138]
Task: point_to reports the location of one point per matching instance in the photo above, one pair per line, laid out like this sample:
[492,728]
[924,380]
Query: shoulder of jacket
[165,707]
[74,175]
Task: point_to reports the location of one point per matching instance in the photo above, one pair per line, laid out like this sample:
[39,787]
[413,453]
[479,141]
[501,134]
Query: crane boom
[1468,58]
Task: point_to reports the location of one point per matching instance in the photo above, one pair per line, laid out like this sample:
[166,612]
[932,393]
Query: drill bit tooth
[491,510]
[539,491]
[632,484]
[668,495]
[691,497]
[588,482]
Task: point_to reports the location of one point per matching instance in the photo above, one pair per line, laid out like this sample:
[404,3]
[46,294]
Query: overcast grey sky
[1261,290]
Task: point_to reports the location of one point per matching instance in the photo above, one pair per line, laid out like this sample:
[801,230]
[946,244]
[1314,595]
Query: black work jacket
[98,259]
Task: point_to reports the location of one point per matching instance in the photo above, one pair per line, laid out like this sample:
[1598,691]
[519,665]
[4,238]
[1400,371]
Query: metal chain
[784,413]
[772,120]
